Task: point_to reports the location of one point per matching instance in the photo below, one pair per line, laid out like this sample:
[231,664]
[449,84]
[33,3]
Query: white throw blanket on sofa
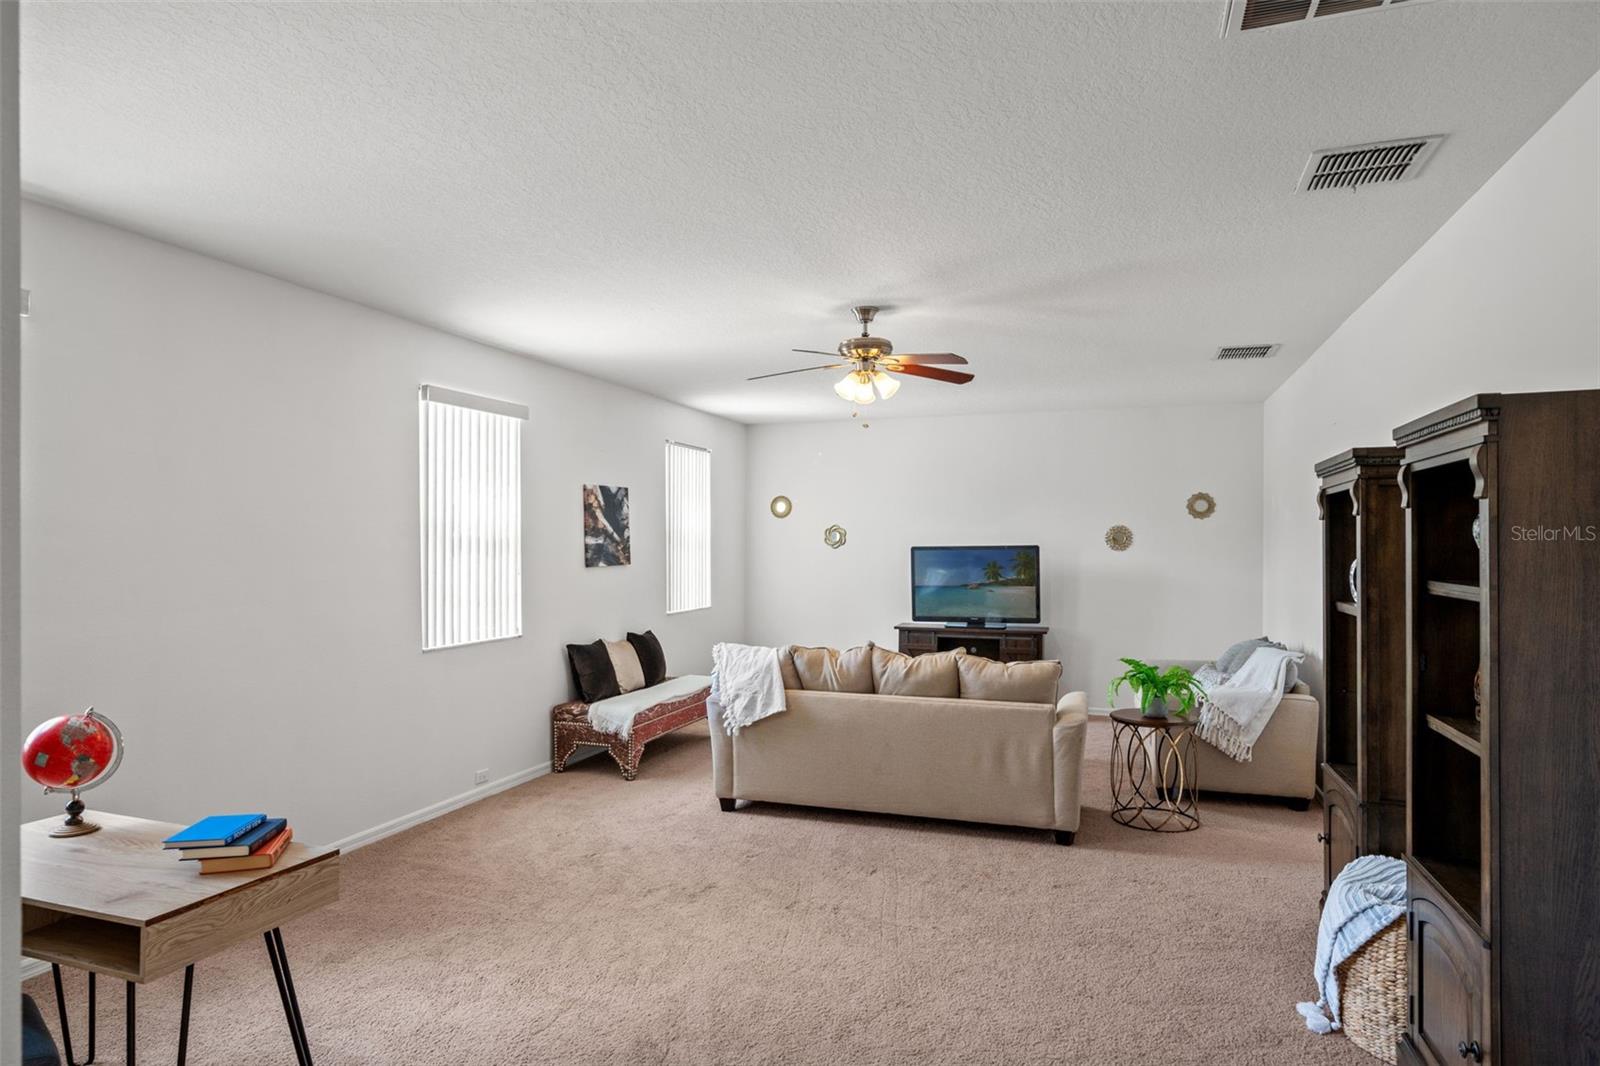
[746,684]
[1238,708]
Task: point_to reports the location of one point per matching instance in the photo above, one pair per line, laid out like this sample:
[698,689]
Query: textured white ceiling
[1083,199]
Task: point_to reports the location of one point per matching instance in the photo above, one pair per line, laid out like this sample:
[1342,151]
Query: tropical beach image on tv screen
[998,584]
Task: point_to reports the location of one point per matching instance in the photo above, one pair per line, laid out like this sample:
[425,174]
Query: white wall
[221,544]
[1059,480]
[1505,297]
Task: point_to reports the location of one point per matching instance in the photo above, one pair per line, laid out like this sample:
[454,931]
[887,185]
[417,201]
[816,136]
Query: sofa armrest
[1067,737]
[721,752]
[1072,703]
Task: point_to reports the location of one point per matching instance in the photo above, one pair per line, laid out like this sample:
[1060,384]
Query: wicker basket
[1372,992]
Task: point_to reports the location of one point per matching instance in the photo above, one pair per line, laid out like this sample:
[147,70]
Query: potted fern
[1157,689]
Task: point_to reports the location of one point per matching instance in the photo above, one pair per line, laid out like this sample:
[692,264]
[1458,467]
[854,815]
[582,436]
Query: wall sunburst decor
[1202,505]
[834,536]
[1119,538]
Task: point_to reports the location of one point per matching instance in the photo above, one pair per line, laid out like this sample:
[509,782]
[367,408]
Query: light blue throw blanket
[1367,895]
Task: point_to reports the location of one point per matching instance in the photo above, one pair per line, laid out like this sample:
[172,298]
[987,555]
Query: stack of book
[229,843]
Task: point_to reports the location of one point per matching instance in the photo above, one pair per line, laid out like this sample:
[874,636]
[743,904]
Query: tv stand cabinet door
[1021,648]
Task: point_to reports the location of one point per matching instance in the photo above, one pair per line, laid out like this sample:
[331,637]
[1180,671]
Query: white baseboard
[445,806]
[32,968]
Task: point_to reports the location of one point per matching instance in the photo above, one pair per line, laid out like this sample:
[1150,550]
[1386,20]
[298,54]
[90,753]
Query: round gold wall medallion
[1119,538]
[1202,505]
[833,536]
[781,507]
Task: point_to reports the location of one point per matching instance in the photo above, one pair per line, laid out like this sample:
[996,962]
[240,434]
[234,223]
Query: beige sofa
[1283,762]
[968,760]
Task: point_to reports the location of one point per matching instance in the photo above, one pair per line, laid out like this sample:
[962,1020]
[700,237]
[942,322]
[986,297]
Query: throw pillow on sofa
[985,679]
[592,671]
[831,670]
[1228,662]
[791,677]
[625,664]
[651,658]
[933,675]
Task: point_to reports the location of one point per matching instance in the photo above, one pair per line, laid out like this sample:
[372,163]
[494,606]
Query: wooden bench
[570,726]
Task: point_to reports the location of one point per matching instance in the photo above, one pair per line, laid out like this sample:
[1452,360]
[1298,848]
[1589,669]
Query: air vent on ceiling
[1260,14]
[1249,351]
[1367,164]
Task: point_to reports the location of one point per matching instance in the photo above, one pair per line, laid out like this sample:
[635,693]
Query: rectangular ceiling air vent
[1249,351]
[1367,164]
[1261,14]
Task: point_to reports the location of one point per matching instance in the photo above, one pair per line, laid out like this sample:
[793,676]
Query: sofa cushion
[985,679]
[894,674]
[651,658]
[831,670]
[791,679]
[625,665]
[592,671]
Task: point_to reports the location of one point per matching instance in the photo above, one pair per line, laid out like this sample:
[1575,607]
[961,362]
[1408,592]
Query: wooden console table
[1013,644]
[114,902]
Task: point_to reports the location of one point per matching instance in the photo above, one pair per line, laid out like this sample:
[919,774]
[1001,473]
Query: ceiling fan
[870,360]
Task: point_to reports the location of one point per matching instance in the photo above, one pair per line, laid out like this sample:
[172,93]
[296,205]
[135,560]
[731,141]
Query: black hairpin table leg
[61,1014]
[132,1034]
[183,1023]
[291,1004]
[131,1015]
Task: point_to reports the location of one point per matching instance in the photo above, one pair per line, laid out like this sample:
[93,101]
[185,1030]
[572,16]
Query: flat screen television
[993,584]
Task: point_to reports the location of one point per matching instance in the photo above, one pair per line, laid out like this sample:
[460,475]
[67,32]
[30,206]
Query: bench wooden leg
[1065,837]
[562,748]
[727,804]
[627,754]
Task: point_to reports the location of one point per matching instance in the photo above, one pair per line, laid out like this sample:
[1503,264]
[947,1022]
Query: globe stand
[74,826]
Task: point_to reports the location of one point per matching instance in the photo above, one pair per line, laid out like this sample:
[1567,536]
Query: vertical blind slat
[688,475]
[471,519]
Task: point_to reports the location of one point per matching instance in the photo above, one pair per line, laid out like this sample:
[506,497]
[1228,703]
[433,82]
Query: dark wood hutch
[1364,616]
[1501,495]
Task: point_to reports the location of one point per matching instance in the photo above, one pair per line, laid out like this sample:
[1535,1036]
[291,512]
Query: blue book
[217,831]
[245,845]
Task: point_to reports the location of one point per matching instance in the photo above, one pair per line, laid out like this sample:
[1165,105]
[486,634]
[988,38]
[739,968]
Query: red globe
[73,751]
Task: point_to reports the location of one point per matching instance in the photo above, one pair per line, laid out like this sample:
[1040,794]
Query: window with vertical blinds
[688,527]
[471,482]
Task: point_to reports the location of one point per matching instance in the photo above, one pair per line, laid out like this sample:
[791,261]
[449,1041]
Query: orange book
[269,853]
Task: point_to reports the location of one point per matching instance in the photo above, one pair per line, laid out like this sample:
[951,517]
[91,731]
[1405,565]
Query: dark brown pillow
[592,671]
[651,657]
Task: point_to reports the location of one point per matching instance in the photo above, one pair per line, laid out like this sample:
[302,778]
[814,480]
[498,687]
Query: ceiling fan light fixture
[855,387]
[886,384]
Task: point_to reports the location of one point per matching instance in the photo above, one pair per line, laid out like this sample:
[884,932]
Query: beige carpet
[584,919]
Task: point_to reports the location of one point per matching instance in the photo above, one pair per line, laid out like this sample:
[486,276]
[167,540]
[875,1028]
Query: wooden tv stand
[1011,644]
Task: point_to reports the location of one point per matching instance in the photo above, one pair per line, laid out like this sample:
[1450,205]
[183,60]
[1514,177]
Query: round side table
[1154,782]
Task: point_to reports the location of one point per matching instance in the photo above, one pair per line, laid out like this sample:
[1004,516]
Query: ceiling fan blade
[813,351]
[954,377]
[927,358]
[800,370]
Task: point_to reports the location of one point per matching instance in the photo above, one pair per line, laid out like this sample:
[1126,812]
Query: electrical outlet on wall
[481,777]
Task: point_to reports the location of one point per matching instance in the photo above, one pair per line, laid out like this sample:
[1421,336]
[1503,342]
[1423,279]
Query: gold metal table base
[1155,785]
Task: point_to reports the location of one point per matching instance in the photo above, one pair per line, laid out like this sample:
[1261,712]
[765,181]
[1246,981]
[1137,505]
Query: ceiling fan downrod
[865,314]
